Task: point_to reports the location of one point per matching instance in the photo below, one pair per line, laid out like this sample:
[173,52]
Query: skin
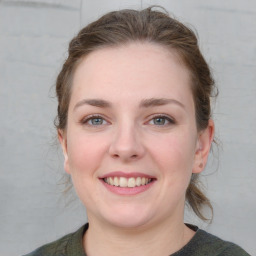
[126,134]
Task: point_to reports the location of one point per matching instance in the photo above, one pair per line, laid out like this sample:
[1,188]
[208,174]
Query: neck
[163,238]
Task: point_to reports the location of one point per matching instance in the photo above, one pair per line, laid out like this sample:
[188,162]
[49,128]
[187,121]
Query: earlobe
[203,147]
[63,141]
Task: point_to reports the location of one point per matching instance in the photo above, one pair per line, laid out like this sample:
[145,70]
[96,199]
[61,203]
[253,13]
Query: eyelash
[86,120]
[166,118]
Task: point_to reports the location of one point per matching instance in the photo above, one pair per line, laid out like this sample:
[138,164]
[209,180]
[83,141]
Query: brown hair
[148,25]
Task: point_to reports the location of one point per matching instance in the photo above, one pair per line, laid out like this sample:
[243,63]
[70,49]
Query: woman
[134,122]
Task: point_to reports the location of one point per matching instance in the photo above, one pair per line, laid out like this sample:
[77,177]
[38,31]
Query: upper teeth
[127,182]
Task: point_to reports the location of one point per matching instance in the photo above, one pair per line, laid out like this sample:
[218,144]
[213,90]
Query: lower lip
[128,191]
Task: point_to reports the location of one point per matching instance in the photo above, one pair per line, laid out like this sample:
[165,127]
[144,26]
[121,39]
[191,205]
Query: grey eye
[96,121]
[160,121]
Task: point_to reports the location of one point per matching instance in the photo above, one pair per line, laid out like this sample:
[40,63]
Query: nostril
[131,157]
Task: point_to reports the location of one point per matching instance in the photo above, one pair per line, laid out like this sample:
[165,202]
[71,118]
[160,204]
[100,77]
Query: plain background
[34,36]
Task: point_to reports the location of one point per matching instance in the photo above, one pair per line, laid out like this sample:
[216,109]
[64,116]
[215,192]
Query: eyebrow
[145,103]
[93,102]
[159,102]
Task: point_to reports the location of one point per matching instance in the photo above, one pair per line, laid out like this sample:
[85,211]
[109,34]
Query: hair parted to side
[148,25]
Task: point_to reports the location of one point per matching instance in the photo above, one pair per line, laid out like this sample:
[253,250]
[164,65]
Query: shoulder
[57,247]
[215,244]
[63,246]
[204,243]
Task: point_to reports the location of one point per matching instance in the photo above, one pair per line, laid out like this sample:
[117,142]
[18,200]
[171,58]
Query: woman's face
[131,142]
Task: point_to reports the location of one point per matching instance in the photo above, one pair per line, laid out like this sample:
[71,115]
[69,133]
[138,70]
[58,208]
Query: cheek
[85,153]
[174,158]
[174,154]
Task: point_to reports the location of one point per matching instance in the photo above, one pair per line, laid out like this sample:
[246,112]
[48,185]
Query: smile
[123,182]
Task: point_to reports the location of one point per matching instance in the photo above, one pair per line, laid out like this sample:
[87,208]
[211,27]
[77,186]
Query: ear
[204,142]
[63,141]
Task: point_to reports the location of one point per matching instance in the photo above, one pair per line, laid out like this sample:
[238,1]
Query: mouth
[127,184]
[130,182]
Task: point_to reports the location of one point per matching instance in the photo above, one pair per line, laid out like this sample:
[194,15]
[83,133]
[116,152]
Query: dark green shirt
[201,244]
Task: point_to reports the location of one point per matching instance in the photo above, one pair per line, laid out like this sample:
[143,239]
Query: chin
[129,222]
[127,217]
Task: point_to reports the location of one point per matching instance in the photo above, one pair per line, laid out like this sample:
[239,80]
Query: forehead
[131,70]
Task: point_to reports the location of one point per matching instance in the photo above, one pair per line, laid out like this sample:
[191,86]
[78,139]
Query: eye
[94,121]
[161,121]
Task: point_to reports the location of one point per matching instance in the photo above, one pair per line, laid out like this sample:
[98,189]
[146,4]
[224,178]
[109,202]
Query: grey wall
[33,41]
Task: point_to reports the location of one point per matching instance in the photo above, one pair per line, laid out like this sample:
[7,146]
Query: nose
[126,144]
